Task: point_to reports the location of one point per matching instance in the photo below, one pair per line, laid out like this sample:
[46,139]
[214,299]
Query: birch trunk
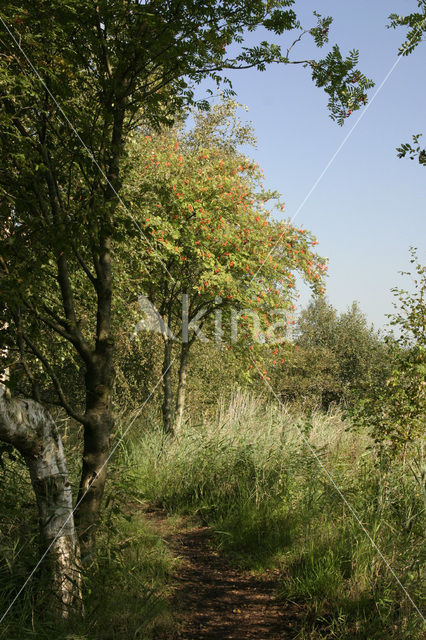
[27,426]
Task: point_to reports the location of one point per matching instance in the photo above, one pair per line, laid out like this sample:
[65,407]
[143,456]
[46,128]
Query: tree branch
[84,266]
[58,388]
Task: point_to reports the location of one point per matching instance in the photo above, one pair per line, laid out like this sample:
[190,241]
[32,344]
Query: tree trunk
[167,388]
[181,388]
[98,420]
[98,427]
[27,426]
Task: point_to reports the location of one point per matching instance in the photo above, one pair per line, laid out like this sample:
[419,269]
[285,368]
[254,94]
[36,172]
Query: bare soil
[215,601]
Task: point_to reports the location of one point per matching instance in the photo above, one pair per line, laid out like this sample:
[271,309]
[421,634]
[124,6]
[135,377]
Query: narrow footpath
[214,601]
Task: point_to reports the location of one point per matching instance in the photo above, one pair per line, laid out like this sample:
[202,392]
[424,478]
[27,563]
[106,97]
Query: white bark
[28,426]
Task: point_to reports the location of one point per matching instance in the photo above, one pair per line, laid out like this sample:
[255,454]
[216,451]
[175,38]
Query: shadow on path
[214,601]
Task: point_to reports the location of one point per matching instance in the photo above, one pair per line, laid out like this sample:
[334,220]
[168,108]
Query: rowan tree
[214,247]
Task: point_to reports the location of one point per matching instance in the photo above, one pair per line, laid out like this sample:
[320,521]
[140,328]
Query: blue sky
[369,207]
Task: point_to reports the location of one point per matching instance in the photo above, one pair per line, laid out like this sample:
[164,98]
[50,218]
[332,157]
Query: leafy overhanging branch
[417,27]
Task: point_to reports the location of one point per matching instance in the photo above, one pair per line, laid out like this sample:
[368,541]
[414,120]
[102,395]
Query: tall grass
[126,586]
[266,481]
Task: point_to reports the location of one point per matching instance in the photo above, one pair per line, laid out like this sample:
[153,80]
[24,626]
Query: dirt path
[214,601]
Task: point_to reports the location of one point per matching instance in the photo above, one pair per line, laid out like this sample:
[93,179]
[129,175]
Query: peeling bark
[27,425]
